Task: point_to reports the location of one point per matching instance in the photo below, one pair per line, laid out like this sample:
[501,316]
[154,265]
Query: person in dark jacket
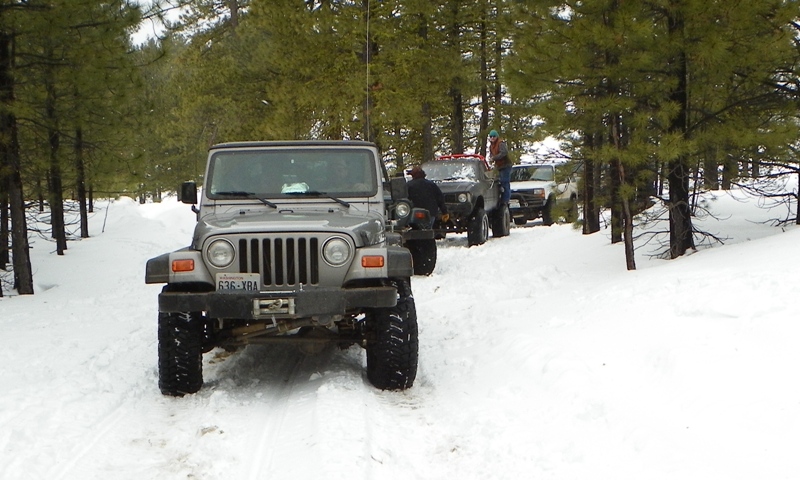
[498,154]
[426,194]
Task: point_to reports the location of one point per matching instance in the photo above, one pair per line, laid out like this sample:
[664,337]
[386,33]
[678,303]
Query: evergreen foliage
[651,99]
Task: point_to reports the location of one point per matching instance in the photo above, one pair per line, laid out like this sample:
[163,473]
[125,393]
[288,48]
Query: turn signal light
[421,215]
[182,265]
[372,261]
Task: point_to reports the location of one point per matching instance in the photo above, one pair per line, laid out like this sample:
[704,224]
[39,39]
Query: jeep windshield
[447,171]
[543,173]
[292,173]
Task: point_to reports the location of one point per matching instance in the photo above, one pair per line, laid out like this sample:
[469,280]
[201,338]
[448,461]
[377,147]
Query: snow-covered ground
[541,357]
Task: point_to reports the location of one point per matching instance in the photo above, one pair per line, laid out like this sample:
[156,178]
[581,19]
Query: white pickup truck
[538,192]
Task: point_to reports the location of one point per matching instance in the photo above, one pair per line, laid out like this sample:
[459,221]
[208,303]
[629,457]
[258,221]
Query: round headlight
[220,253]
[463,197]
[402,209]
[336,252]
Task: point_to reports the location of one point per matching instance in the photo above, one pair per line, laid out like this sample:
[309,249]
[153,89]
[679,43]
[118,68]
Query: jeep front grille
[285,260]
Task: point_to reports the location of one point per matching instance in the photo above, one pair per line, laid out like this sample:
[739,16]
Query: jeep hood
[455,187]
[366,228]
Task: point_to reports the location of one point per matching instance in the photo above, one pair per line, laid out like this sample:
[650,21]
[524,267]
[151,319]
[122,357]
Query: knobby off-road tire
[392,352]
[501,221]
[547,212]
[478,228]
[423,253]
[180,353]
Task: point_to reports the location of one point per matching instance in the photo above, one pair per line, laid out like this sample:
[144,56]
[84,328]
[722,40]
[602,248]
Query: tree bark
[5,258]
[591,175]
[616,204]
[55,194]
[427,133]
[484,120]
[80,170]
[10,163]
[623,197]
[678,171]
[456,96]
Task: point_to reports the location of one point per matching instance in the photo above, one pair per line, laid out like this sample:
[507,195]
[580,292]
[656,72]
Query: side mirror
[188,193]
[398,188]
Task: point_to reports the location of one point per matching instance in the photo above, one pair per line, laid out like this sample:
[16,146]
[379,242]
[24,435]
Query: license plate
[513,204]
[239,281]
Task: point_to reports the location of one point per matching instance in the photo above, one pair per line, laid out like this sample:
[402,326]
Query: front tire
[572,211]
[393,344]
[478,228]
[180,353]
[423,254]
[501,221]
[547,212]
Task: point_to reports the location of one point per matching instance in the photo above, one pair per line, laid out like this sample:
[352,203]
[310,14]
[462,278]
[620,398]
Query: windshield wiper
[234,193]
[264,201]
[315,193]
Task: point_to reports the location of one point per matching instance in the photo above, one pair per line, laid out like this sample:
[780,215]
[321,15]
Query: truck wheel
[547,212]
[180,353]
[392,352]
[478,228]
[423,253]
[501,221]
[572,211]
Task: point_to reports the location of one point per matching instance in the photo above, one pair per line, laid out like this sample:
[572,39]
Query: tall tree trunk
[625,215]
[484,62]
[10,164]
[456,95]
[678,171]
[370,49]
[457,132]
[54,168]
[710,167]
[616,203]
[591,177]
[730,172]
[427,133]
[80,170]
[400,159]
[5,258]
[233,6]
[498,88]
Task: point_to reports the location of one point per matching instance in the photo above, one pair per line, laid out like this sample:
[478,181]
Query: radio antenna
[367,105]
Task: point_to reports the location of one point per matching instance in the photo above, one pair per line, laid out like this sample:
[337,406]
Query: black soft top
[294,143]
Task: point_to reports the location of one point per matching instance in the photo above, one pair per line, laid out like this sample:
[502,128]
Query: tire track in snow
[272,422]
[101,429]
[305,419]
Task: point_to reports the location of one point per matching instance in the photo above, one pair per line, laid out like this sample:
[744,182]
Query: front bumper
[308,302]
[526,204]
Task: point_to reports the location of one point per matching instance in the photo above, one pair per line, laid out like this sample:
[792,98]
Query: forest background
[652,101]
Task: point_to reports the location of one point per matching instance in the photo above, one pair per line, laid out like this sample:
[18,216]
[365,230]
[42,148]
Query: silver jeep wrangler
[295,242]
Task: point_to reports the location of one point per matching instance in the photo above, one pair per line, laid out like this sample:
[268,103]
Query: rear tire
[423,254]
[478,228]
[392,348]
[180,353]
